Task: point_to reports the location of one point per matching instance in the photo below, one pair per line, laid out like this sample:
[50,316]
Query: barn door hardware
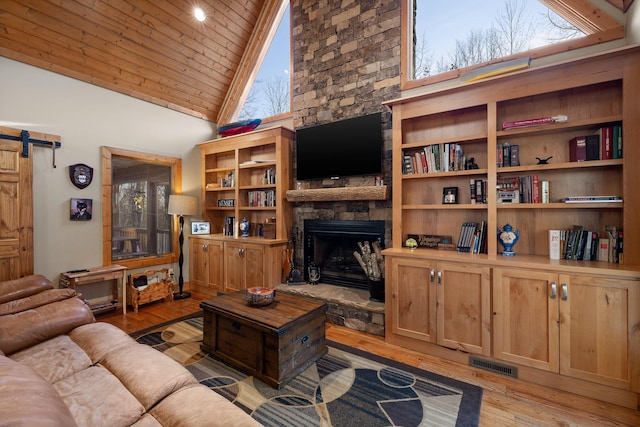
[26,140]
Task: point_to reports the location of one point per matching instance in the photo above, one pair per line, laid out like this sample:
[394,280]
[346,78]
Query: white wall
[633,24]
[87,117]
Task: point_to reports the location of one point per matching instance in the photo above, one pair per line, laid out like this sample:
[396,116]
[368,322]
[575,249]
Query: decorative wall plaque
[80,175]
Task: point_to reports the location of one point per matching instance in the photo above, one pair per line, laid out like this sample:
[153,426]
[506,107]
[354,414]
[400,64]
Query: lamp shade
[182,205]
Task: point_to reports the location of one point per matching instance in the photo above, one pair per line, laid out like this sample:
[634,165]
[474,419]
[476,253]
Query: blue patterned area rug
[346,387]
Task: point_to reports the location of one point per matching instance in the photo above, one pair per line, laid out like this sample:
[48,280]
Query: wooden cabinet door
[215,260]
[254,266]
[233,267]
[464,307]
[243,266]
[198,262]
[413,299]
[599,338]
[525,305]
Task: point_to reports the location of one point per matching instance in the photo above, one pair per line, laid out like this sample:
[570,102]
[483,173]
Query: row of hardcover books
[604,145]
[585,245]
[507,154]
[473,238]
[433,158]
[261,198]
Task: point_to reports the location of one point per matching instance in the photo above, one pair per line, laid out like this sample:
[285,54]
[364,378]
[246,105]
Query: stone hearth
[347,307]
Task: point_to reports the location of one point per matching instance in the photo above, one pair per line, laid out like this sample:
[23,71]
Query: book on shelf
[617,141]
[592,147]
[603,249]
[534,122]
[506,154]
[578,149]
[255,162]
[592,199]
[515,155]
[554,244]
[606,142]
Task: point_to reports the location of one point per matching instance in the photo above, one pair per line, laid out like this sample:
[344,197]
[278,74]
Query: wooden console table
[114,273]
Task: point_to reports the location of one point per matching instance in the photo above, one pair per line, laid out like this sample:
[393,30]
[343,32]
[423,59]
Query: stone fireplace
[329,244]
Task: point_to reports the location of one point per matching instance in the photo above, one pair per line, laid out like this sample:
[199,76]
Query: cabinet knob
[241,252]
[205,248]
[431,275]
[554,290]
[565,292]
[440,277]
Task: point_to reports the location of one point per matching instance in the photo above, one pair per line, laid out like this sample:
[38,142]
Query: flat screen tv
[343,148]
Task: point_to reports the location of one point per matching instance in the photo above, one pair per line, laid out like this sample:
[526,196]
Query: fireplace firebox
[329,245]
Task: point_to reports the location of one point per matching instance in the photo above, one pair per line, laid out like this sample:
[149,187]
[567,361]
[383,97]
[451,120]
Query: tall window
[447,39]
[270,93]
[136,189]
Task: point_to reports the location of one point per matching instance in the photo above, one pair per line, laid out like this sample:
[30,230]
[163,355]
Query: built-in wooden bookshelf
[247,176]
[554,320]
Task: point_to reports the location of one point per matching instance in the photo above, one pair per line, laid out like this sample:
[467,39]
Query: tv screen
[344,148]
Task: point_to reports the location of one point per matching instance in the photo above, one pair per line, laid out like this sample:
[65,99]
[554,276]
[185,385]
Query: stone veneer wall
[346,62]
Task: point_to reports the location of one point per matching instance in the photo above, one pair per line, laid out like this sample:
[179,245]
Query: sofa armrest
[30,327]
[26,399]
[23,287]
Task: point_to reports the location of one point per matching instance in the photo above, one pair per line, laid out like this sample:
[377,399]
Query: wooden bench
[149,286]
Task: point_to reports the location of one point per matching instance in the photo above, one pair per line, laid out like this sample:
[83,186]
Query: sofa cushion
[54,359]
[23,287]
[97,339]
[205,408]
[26,399]
[96,398]
[30,327]
[148,374]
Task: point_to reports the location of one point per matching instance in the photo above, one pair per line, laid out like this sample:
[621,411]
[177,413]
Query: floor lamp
[182,205]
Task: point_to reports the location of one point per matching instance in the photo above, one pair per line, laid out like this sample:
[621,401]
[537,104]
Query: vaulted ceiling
[153,50]
[150,49]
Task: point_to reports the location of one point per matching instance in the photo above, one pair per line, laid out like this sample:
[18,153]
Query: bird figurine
[544,161]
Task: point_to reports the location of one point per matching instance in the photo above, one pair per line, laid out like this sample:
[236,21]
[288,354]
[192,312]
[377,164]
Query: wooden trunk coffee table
[274,343]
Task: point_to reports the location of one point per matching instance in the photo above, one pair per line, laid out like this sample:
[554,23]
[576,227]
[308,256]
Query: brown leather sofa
[59,367]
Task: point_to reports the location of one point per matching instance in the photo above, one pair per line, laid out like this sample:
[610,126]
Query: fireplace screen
[330,246]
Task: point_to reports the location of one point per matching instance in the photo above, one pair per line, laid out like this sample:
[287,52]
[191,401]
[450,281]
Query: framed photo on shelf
[450,195]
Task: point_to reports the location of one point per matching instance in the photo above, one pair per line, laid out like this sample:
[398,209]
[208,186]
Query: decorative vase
[376,289]
[508,237]
[244,227]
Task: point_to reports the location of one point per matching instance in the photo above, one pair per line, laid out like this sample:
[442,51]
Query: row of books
[605,144]
[507,155]
[228,181]
[473,238]
[477,191]
[433,158]
[269,176]
[229,225]
[585,245]
[261,198]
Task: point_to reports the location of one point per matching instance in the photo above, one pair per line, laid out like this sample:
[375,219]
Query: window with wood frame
[441,43]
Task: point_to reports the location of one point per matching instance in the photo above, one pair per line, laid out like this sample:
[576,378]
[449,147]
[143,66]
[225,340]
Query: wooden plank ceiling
[149,49]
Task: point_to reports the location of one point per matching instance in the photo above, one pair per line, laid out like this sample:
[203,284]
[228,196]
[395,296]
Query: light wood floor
[506,401]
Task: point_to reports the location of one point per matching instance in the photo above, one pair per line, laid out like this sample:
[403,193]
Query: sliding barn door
[16,208]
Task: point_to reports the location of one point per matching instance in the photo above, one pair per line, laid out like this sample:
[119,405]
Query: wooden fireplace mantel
[340,193]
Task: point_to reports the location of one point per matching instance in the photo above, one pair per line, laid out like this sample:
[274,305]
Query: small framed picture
[81,209]
[200,227]
[450,195]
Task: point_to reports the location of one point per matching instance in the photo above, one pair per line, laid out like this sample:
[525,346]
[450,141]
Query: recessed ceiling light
[199,14]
